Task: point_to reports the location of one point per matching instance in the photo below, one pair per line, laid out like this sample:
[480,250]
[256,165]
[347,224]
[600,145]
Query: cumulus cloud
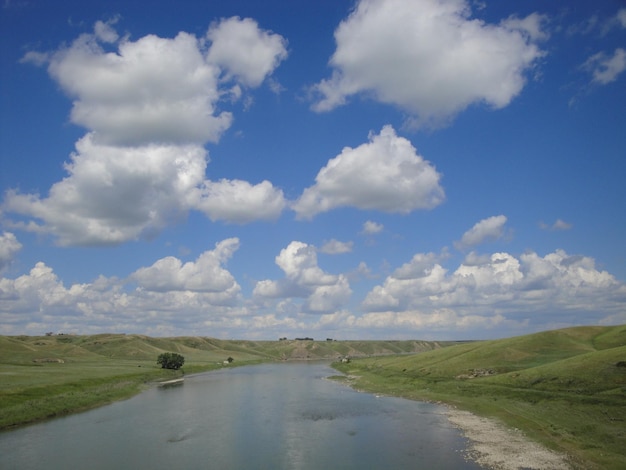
[238,201]
[430,58]
[150,90]
[604,68]
[9,246]
[336,247]
[244,51]
[384,174]
[168,297]
[323,292]
[150,105]
[114,194]
[491,228]
[517,288]
[420,299]
[206,274]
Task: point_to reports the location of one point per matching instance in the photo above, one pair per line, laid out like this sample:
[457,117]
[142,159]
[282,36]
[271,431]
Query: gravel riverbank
[497,447]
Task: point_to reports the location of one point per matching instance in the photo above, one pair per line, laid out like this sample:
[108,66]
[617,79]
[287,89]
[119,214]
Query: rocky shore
[500,448]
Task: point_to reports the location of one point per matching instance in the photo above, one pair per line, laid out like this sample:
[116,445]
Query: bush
[170,361]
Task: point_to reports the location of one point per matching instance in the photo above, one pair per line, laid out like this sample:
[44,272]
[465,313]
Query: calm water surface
[272,416]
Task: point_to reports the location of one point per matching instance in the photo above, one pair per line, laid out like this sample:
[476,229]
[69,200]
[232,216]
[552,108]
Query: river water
[270,416]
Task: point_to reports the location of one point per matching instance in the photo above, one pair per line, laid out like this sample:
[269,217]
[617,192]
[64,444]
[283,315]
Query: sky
[369,169]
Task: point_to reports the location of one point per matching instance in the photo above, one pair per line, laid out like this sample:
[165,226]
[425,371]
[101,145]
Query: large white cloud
[429,57]
[323,292]
[150,105]
[500,293]
[150,90]
[530,285]
[206,274]
[168,297]
[114,194]
[383,174]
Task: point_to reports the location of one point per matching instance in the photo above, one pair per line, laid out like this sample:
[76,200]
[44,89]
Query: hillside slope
[565,388]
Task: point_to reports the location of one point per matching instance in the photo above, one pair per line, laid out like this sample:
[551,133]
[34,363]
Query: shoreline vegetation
[43,377]
[564,390]
[550,400]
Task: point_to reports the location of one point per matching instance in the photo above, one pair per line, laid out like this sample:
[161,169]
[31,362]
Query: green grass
[47,376]
[44,377]
[563,388]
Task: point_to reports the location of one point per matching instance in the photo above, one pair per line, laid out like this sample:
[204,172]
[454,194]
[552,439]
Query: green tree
[170,361]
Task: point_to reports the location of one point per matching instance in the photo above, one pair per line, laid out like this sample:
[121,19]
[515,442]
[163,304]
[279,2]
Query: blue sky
[430,169]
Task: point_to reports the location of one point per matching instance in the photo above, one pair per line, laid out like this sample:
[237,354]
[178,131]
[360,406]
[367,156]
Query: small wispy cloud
[559,224]
[605,68]
[336,247]
[371,228]
[491,228]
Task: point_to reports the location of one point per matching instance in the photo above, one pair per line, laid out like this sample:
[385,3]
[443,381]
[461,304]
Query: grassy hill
[564,388]
[47,376]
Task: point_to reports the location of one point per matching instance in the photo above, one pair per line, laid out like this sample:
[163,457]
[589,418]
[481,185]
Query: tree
[170,361]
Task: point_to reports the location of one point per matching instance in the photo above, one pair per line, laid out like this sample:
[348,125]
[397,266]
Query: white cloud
[419,266]
[336,247]
[150,106]
[421,299]
[491,228]
[151,90]
[9,246]
[621,17]
[557,225]
[429,57]
[206,274]
[605,69]
[239,201]
[370,227]
[244,51]
[168,297]
[516,288]
[385,174]
[114,194]
[438,320]
[104,31]
[322,292]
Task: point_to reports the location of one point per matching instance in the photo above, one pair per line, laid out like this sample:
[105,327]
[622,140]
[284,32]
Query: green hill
[565,388]
[46,376]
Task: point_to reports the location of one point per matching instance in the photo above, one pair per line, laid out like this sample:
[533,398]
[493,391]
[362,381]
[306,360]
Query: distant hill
[25,349]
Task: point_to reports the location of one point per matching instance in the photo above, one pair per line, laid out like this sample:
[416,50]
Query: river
[270,416]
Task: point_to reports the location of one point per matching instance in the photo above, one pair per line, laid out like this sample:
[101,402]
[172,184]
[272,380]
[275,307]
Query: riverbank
[563,390]
[495,446]
[492,444]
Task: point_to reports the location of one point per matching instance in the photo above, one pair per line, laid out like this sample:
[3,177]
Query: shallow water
[270,416]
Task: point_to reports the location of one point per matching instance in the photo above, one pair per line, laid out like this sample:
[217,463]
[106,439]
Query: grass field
[565,389]
[47,376]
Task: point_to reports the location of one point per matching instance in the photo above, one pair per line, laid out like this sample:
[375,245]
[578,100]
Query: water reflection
[273,416]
